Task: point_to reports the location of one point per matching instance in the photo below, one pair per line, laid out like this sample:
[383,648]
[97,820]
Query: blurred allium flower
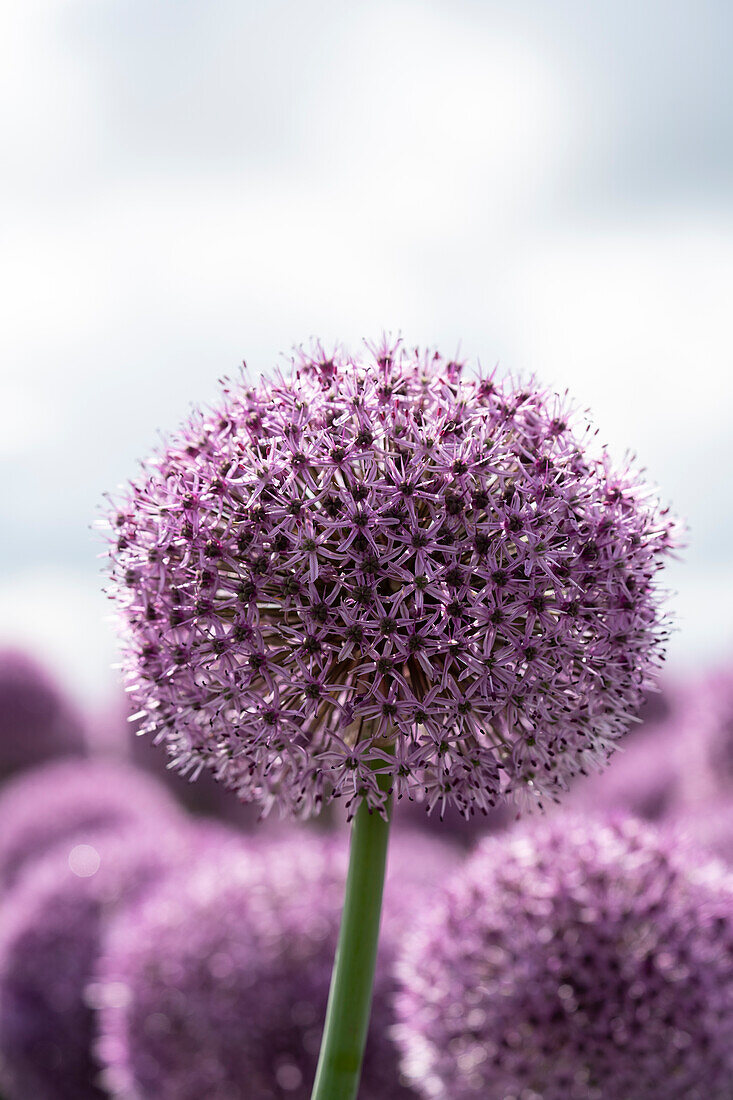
[382,561]
[68,801]
[646,778]
[580,961]
[204,796]
[37,720]
[453,825]
[217,986]
[678,765]
[709,827]
[657,706]
[114,734]
[708,720]
[50,935]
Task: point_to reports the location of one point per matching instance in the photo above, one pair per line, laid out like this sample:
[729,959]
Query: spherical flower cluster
[50,937]
[65,802]
[579,961]
[218,985]
[383,564]
[37,720]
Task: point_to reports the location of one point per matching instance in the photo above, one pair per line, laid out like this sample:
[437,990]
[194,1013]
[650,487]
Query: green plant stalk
[350,996]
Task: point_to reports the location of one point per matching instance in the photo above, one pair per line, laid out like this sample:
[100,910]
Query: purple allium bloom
[578,961]
[37,720]
[67,801]
[50,938]
[383,561]
[217,986]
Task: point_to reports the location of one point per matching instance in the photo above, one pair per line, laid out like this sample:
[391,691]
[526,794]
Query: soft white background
[186,184]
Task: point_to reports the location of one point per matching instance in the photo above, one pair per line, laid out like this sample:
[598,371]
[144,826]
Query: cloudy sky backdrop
[187,184]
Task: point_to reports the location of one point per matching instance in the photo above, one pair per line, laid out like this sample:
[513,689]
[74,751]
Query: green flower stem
[350,997]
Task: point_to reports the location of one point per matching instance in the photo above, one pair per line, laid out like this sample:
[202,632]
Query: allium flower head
[217,986]
[579,961]
[65,802]
[37,720]
[50,936]
[381,563]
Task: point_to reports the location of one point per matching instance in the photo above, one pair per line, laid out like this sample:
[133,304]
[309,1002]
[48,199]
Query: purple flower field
[366,550]
[478,658]
[149,951]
